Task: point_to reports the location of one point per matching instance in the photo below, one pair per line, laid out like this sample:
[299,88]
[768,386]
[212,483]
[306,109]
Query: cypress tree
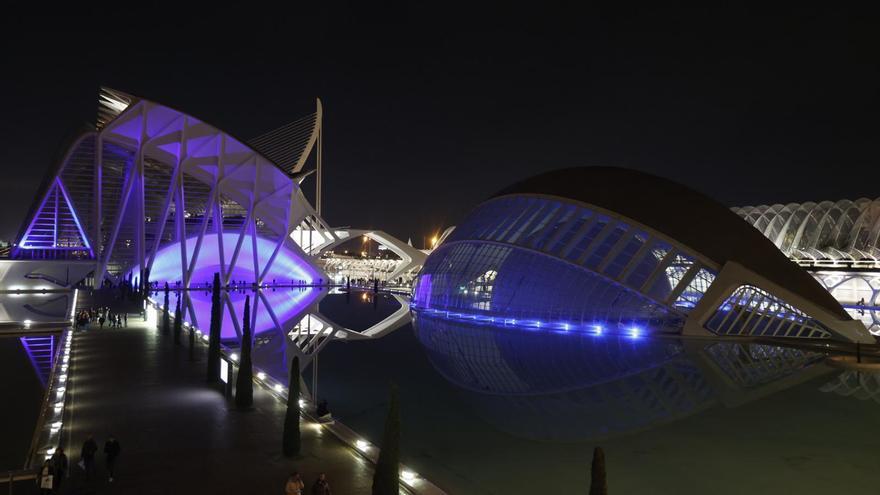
[192,343]
[178,322]
[244,383]
[166,318]
[598,483]
[292,437]
[145,285]
[387,475]
[214,333]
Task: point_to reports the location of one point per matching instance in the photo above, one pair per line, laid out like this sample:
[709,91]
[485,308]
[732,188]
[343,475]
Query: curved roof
[683,214]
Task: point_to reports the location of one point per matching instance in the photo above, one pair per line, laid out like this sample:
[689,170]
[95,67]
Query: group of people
[295,485]
[56,468]
[101,316]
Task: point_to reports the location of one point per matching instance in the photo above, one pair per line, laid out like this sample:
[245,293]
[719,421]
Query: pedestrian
[125,319]
[59,463]
[101,322]
[111,451]
[87,456]
[321,487]
[295,485]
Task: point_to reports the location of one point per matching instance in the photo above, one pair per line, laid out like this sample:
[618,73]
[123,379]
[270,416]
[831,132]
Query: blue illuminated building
[606,249]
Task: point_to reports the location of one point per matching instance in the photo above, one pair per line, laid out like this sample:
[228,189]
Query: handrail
[51,386]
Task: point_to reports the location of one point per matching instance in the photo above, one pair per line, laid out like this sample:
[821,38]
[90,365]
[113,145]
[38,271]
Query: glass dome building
[602,249]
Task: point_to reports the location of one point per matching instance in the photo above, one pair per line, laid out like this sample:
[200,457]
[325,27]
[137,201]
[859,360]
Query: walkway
[177,434]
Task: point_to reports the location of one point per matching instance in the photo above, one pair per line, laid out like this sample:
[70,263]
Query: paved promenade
[177,434]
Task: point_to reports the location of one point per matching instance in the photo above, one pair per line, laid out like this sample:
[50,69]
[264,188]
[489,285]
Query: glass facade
[751,311]
[544,259]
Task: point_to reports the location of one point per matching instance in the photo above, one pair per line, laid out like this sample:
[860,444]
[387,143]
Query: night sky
[429,110]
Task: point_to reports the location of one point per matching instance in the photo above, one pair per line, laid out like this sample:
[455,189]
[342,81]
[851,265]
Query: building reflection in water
[576,386]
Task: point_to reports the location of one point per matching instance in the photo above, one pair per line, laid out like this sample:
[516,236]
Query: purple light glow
[285,267]
[285,304]
[288,305]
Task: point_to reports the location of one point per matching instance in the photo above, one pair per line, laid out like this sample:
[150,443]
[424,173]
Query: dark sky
[428,110]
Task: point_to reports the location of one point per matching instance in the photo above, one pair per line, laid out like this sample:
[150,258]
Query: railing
[47,434]
[21,481]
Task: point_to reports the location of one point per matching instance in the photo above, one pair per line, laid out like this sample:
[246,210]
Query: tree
[192,343]
[598,483]
[292,436]
[178,322]
[145,285]
[387,475]
[244,383]
[214,333]
[166,318]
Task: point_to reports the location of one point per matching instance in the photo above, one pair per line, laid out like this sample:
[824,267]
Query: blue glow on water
[598,329]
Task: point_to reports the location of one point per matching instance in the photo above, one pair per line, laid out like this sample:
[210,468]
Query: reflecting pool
[25,363]
[488,408]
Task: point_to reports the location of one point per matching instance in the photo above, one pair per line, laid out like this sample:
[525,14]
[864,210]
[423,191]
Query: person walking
[101,322]
[59,463]
[295,485]
[87,456]
[111,451]
[321,486]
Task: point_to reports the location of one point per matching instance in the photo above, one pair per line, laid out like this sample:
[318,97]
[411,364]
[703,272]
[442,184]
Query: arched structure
[322,240]
[827,234]
[152,189]
[573,248]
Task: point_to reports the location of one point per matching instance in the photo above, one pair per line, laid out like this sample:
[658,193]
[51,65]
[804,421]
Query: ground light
[408,477]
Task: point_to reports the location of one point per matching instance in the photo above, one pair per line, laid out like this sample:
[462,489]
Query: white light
[597,329]
[233,356]
[66,358]
[63,367]
[408,477]
[27,323]
[60,390]
[362,445]
[634,332]
[62,378]
[205,338]
[56,425]
[51,451]
[261,375]
[302,403]
[278,388]
[224,373]
[59,406]
[565,326]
